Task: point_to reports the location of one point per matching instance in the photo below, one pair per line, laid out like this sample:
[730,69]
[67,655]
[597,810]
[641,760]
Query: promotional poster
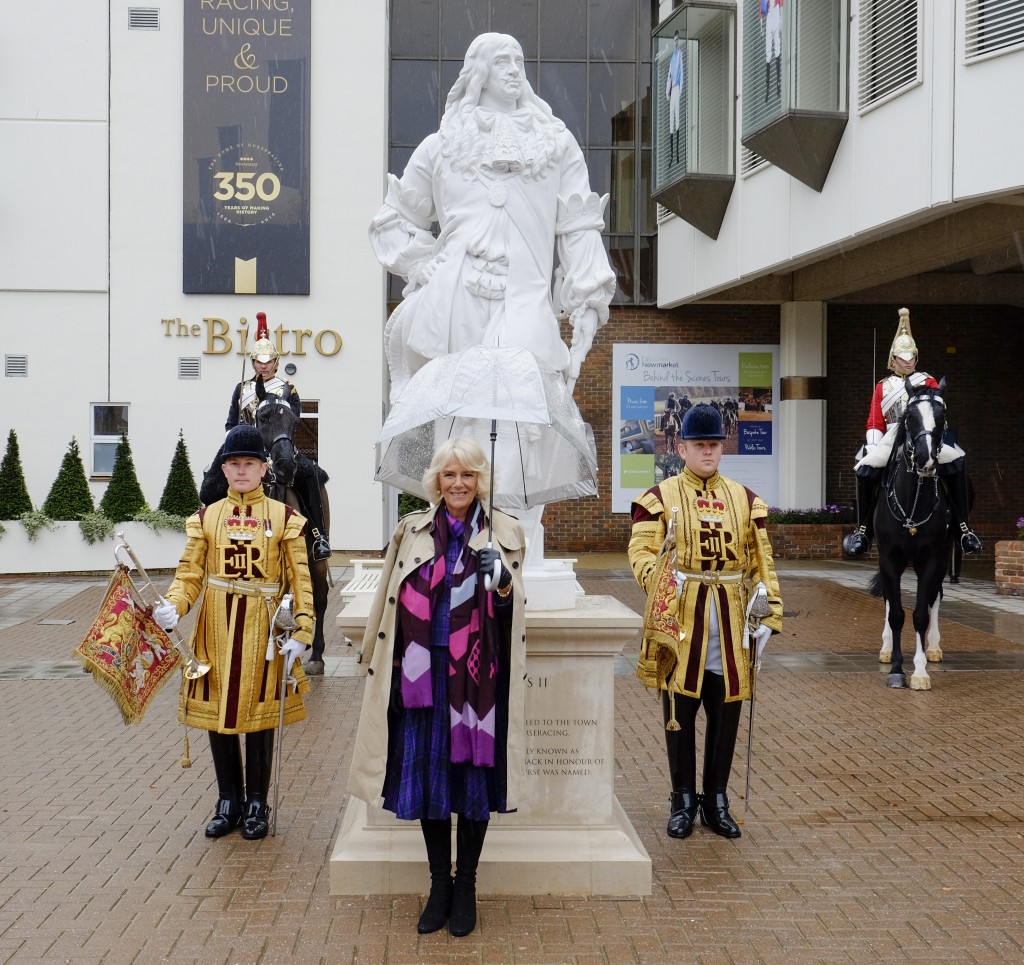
[655,385]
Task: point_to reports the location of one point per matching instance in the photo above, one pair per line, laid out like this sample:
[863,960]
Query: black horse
[912,529]
[276,423]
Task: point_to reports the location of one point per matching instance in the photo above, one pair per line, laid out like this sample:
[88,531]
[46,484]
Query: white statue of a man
[505,182]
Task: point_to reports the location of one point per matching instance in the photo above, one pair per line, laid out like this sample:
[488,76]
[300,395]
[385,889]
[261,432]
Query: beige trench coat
[411,545]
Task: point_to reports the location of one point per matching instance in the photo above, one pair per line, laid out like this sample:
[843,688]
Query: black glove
[488,555]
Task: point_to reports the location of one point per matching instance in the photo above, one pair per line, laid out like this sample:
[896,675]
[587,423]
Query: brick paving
[884,826]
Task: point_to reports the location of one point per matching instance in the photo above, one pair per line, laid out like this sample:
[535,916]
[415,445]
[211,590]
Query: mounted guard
[888,405]
[245,400]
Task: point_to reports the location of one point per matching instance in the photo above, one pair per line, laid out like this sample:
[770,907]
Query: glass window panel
[563,29]
[518,18]
[414,28]
[414,100]
[620,254]
[109,420]
[103,454]
[450,70]
[461,21]
[398,159]
[648,208]
[564,87]
[612,103]
[646,289]
[612,30]
[645,105]
[613,172]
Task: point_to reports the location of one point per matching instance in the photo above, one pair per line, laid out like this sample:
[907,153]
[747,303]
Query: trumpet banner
[128,655]
[659,649]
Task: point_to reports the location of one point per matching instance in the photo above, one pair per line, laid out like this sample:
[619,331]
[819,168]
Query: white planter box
[64,549]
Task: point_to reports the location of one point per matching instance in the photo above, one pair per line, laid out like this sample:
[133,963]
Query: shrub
[824,514]
[69,496]
[157,519]
[95,527]
[180,496]
[1020,528]
[14,500]
[408,503]
[34,522]
[123,498]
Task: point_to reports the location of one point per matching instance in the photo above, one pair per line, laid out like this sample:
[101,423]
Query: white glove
[761,635]
[165,615]
[290,650]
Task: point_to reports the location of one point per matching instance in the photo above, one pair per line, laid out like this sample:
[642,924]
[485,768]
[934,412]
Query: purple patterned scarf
[472,643]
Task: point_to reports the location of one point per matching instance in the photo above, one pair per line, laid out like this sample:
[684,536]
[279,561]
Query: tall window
[109,424]
[589,59]
[993,26]
[890,49]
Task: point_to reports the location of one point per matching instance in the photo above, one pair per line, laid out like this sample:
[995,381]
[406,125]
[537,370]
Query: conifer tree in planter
[180,496]
[14,499]
[123,498]
[69,496]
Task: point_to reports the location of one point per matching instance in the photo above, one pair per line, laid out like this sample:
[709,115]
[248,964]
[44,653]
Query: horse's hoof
[885,656]
[934,656]
[896,681]
[920,682]
[314,668]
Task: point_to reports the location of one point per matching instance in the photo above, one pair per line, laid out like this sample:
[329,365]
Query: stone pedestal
[570,835]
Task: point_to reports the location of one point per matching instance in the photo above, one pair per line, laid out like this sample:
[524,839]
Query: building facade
[864,191]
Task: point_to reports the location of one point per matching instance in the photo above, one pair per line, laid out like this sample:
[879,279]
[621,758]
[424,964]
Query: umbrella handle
[494,576]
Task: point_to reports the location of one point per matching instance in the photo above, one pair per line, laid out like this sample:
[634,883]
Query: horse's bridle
[284,436]
[910,442]
[908,455]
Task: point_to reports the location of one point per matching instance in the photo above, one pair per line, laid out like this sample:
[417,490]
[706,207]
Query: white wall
[84,347]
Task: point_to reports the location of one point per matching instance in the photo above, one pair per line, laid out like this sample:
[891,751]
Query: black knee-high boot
[259,756]
[227,765]
[959,508]
[308,488]
[682,765]
[859,541]
[767,81]
[469,842]
[778,76]
[723,722]
[437,835]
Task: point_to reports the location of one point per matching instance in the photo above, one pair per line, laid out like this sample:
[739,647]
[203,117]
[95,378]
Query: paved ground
[884,826]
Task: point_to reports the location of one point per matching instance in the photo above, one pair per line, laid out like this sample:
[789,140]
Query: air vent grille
[188,368]
[143,18]
[16,366]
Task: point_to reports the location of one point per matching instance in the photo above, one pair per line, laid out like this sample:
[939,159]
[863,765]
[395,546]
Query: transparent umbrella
[541,449]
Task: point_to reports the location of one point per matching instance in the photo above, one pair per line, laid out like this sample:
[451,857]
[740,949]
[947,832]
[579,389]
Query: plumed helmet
[702,422]
[244,440]
[263,349]
[903,345]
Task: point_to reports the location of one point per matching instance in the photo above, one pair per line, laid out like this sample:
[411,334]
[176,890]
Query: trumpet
[192,668]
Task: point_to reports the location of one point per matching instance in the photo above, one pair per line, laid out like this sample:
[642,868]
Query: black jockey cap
[702,422]
[244,440]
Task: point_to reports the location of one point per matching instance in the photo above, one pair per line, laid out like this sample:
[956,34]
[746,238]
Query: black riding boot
[437,834]
[723,722]
[469,842]
[778,76]
[227,765]
[767,81]
[259,756]
[308,489]
[859,541]
[682,766]
[959,507]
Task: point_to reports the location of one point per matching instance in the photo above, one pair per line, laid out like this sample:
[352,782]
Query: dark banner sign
[246,147]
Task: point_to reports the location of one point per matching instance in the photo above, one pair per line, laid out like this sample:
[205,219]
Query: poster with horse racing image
[653,387]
